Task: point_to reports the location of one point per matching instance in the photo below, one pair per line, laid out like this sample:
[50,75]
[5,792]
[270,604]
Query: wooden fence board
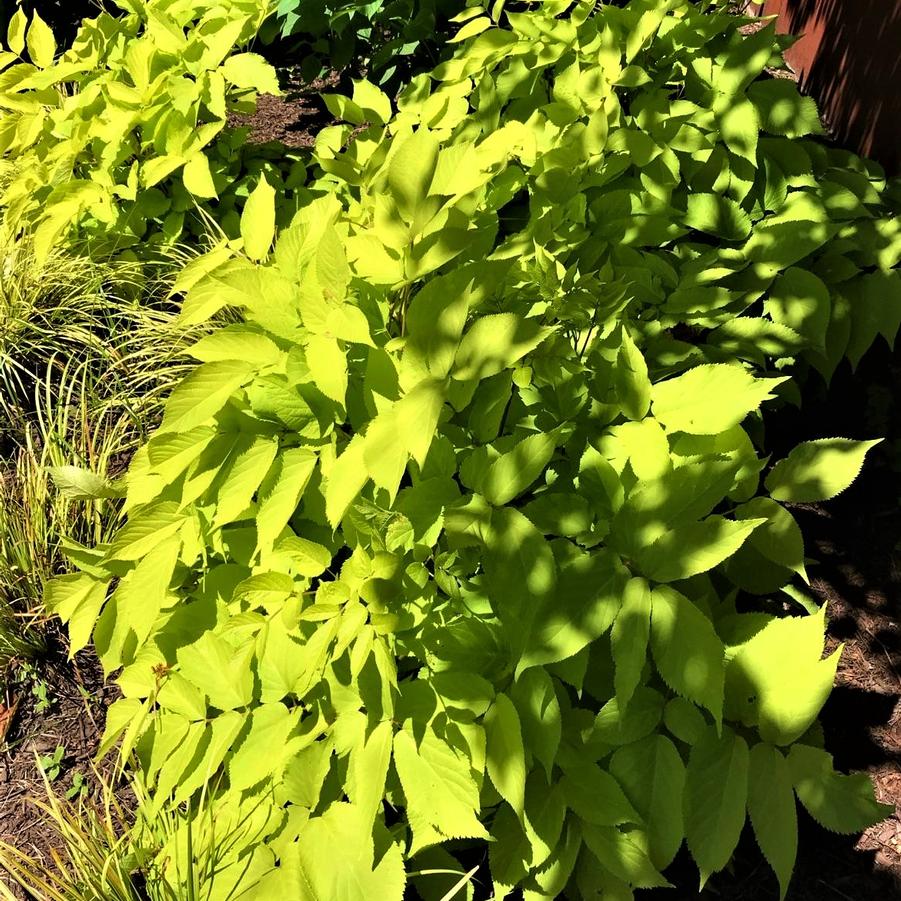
[849,60]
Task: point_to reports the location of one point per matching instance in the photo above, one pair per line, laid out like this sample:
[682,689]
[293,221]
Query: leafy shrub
[456,534]
[388,40]
[123,134]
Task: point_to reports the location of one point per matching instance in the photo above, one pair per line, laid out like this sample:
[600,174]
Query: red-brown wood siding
[849,60]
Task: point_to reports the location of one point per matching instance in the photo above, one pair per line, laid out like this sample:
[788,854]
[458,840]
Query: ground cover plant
[460,537]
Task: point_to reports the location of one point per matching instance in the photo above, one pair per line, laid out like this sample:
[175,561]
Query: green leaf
[374,103]
[687,651]
[340,835]
[40,41]
[463,691]
[258,221]
[633,387]
[307,557]
[839,803]
[644,444]
[739,129]
[258,755]
[145,530]
[779,538]
[554,874]
[514,471]
[242,478]
[624,854]
[652,775]
[250,71]
[684,720]
[76,599]
[629,638]
[505,755]
[520,572]
[709,399]
[716,792]
[716,215]
[410,173]
[15,35]
[203,394]
[596,797]
[220,672]
[368,770]
[279,499]
[801,301]
[578,612]
[621,726]
[777,681]
[471,29]
[238,342]
[80,484]
[687,550]
[545,817]
[783,109]
[442,797]
[494,343]
[818,470]
[509,854]
[435,321]
[346,479]
[539,714]
[771,806]
[134,607]
[875,300]
[197,177]
[332,269]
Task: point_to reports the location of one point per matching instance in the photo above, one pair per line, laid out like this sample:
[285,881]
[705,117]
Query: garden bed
[523,551]
[856,541]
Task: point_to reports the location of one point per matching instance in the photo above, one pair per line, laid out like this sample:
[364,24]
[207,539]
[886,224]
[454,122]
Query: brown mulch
[75,720]
[294,118]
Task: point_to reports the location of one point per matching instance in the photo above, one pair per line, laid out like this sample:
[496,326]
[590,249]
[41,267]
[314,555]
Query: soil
[74,720]
[294,118]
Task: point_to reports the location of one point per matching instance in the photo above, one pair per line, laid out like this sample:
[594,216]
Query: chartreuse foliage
[120,137]
[441,541]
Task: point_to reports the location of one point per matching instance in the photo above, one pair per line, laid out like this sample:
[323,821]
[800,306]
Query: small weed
[80,787]
[52,764]
[28,674]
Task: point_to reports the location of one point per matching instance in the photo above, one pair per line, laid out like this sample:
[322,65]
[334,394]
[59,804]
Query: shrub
[124,134]
[388,40]
[458,533]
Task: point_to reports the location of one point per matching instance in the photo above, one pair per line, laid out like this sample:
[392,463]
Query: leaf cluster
[122,137]
[388,39]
